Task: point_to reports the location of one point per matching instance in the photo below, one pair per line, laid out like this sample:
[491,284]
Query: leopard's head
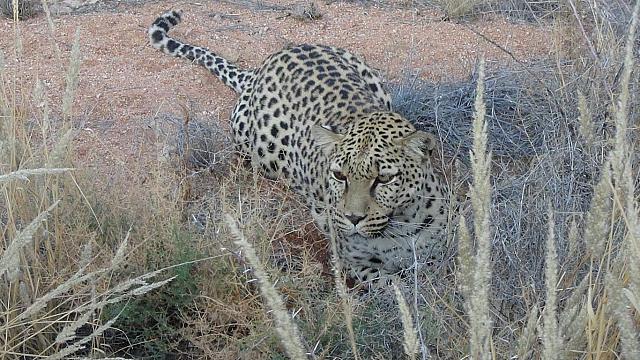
[376,167]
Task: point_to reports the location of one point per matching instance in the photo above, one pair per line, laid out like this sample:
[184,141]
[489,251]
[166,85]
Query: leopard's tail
[231,75]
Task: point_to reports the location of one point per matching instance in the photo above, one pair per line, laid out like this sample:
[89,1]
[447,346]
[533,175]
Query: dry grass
[18,9]
[478,273]
[285,327]
[410,342]
[541,144]
[304,10]
[454,9]
[61,263]
[549,268]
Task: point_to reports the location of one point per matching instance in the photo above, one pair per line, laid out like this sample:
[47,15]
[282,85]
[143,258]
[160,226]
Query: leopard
[319,118]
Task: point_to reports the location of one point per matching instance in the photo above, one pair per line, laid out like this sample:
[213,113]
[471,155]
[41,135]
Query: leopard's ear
[419,143]
[324,137]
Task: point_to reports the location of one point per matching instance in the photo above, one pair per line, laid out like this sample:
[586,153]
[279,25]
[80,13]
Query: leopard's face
[375,171]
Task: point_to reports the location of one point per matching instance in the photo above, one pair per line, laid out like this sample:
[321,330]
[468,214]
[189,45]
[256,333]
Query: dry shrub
[194,143]
[455,9]
[555,132]
[306,11]
[25,8]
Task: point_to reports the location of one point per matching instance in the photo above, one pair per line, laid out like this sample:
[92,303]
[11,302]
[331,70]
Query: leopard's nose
[354,219]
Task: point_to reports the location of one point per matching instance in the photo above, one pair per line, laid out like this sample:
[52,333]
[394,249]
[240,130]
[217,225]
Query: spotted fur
[320,118]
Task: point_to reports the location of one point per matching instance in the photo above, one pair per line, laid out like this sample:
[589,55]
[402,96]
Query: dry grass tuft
[306,11]
[194,143]
[55,286]
[19,9]
[455,9]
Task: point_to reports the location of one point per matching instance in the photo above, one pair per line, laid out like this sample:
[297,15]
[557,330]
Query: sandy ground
[124,83]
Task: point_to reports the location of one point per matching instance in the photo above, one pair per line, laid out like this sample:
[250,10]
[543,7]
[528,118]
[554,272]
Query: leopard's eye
[338,176]
[386,179]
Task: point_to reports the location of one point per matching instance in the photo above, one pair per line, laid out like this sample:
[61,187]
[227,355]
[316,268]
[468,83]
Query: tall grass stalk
[343,294]
[551,336]
[10,260]
[586,120]
[478,299]
[528,338]
[598,225]
[52,30]
[626,299]
[285,327]
[621,147]
[465,258]
[73,76]
[410,336]
[23,174]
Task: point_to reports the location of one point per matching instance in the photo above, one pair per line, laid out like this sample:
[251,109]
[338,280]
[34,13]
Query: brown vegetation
[130,230]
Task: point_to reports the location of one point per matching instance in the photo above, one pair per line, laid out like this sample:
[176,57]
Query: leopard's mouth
[373,234]
[365,231]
